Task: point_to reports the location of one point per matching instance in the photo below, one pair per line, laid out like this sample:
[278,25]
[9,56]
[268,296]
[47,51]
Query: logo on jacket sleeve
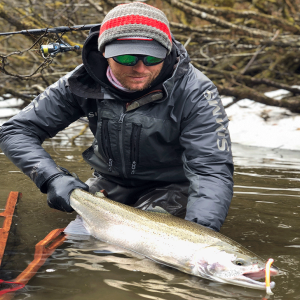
[222,143]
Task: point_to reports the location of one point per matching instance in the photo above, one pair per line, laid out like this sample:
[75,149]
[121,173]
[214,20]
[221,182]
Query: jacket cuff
[205,224]
[42,172]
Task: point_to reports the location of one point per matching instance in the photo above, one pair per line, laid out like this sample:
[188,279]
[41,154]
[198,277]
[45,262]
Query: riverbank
[259,125]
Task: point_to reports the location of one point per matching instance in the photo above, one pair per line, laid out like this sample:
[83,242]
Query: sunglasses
[132,60]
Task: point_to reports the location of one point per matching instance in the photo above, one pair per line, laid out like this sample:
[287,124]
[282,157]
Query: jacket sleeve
[207,156]
[22,136]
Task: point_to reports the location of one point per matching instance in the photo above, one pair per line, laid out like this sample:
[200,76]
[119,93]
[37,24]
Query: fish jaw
[253,277]
[250,279]
[218,266]
[261,273]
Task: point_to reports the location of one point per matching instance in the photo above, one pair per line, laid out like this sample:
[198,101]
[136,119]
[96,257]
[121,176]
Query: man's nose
[139,67]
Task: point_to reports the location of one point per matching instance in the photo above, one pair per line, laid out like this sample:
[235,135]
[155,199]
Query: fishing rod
[52,49]
[60,29]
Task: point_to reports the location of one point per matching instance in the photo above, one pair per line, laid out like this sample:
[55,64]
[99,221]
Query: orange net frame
[7,215]
[43,249]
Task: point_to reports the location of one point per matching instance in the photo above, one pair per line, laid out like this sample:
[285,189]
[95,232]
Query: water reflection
[144,277]
[255,157]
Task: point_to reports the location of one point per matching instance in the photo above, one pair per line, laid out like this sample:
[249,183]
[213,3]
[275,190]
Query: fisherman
[161,132]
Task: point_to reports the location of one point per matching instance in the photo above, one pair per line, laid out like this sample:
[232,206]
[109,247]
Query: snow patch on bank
[7,108]
[259,125]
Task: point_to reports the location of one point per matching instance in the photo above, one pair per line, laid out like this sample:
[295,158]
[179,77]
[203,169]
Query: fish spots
[168,240]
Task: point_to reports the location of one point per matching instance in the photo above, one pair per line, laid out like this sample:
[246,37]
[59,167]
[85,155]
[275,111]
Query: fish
[186,246]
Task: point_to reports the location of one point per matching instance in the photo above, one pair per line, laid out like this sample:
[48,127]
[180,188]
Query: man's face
[135,78]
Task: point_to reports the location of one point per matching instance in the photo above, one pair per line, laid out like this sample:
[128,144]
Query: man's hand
[59,189]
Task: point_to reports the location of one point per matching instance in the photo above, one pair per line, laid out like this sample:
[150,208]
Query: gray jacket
[175,134]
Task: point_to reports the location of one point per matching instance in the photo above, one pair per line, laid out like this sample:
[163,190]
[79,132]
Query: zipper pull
[133,167]
[121,119]
[110,161]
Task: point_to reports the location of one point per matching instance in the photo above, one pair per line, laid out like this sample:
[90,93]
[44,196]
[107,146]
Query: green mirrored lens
[152,60]
[126,59]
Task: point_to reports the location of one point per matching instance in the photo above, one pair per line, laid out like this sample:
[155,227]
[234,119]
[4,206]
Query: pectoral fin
[77,227]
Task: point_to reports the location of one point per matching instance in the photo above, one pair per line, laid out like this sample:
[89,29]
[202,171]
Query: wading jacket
[178,134]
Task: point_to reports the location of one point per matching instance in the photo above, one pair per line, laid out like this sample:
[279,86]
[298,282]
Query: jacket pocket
[106,146]
[134,146]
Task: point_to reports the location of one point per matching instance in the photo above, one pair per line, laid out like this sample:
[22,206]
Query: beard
[131,86]
[129,78]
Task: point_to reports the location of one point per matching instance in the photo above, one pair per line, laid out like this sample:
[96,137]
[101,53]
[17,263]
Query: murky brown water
[264,216]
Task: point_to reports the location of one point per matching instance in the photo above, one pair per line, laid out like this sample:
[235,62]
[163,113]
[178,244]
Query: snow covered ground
[6,110]
[251,123]
[259,125]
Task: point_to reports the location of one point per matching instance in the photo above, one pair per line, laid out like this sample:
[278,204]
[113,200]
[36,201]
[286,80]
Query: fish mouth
[256,275]
[250,279]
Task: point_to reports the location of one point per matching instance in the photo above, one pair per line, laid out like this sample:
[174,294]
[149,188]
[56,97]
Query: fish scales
[155,221]
[155,235]
[175,242]
[158,222]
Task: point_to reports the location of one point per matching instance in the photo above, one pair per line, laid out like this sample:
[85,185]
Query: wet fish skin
[184,245]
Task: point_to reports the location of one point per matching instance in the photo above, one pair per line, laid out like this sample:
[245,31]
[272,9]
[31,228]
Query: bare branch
[256,53]
[228,12]
[26,98]
[97,7]
[212,19]
[244,92]
[202,30]
[247,79]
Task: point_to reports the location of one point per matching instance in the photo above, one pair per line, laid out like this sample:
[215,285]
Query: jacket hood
[90,81]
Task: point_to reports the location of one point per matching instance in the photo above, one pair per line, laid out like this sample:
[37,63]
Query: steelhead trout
[169,240]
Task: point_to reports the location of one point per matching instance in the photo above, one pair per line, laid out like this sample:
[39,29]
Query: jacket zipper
[121,122]
[106,144]
[135,141]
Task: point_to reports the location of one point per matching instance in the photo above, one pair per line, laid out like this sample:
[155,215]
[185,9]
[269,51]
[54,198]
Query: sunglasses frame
[140,57]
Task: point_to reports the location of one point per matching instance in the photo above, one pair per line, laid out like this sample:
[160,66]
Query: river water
[264,217]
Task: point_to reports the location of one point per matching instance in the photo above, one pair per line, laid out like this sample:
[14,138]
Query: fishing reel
[53,49]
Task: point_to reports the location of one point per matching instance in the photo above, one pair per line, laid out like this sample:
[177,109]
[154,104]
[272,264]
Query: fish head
[232,266]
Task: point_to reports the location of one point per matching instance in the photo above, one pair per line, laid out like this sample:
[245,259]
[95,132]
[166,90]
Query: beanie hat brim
[135,46]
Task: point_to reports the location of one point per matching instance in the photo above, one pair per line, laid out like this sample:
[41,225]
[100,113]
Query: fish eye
[239,262]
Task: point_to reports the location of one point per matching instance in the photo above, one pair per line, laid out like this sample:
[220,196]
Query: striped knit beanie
[135,19]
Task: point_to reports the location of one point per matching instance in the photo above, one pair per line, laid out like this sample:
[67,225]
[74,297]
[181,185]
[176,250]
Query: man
[160,129]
